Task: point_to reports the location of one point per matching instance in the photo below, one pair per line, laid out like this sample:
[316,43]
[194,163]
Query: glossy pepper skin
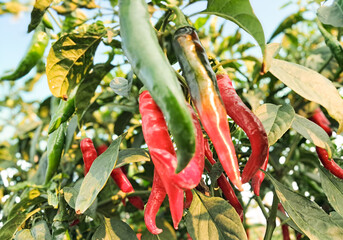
[39,42]
[157,195]
[258,178]
[161,148]
[54,151]
[250,124]
[205,95]
[149,63]
[224,184]
[329,164]
[320,119]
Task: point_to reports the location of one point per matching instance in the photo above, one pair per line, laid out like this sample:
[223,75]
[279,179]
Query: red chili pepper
[259,177]
[224,184]
[161,147]
[189,198]
[329,164]
[88,152]
[157,195]
[319,118]
[123,182]
[285,230]
[249,122]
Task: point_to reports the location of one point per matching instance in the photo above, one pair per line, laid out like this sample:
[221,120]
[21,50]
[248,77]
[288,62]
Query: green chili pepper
[334,45]
[40,40]
[55,147]
[140,45]
[64,111]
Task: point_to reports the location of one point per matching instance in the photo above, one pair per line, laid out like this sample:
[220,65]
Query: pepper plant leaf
[276,120]
[332,15]
[333,189]
[167,234]
[115,229]
[307,215]
[312,132]
[69,60]
[213,218]
[310,85]
[97,176]
[241,13]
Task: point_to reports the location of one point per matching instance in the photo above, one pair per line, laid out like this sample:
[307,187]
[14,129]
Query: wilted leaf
[310,85]
[276,120]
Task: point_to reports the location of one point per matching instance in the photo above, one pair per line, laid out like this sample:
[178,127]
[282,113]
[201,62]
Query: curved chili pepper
[161,148]
[258,178]
[152,67]
[157,195]
[249,122]
[224,184]
[205,95]
[63,113]
[123,182]
[39,42]
[157,138]
[320,119]
[54,151]
[285,230]
[329,164]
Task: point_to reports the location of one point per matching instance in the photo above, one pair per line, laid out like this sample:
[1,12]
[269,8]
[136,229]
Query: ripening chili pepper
[63,113]
[224,184]
[122,181]
[250,124]
[161,148]
[285,230]
[55,148]
[149,63]
[157,195]
[39,42]
[329,164]
[206,98]
[320,119]
[258,178]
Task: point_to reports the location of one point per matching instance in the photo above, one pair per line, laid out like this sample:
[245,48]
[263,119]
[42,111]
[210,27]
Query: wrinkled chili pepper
[160,146]
[285,230]
[39,42]
[55,148]
[320,119]
[205,95]
[224,184]
[258,178]
[157,195]
[160,79]
[250,124]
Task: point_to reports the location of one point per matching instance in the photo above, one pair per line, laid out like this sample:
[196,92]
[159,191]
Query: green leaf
[68,62]
[72,126]
[167,234]
[337,218]
[87,87]
[312,132]
[121,86]
[122,121]
[310,85]
[40,230]
[213,218]
[114,229]
[97,176]
[333,189]
[241,13]
[276,120]
[332,15]
[11,226]
[24,234]
[131,155]
[307,215]
[38,12]
[34,142]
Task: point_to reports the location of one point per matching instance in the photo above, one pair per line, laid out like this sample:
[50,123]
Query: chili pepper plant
[172,120]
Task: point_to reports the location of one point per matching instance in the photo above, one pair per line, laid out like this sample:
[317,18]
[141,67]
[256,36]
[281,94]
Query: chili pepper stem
[180,20]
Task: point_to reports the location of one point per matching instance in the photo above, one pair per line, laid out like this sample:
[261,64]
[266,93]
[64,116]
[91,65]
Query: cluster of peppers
[163,107]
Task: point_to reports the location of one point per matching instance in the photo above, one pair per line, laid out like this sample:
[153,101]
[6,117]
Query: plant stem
[271,219]
[56,21]
[260,204]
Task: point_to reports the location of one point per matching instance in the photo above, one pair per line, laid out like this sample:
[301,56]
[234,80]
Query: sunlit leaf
[38,12]
[114,229]
[333,14]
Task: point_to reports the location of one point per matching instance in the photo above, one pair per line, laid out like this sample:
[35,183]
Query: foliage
[296,74]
